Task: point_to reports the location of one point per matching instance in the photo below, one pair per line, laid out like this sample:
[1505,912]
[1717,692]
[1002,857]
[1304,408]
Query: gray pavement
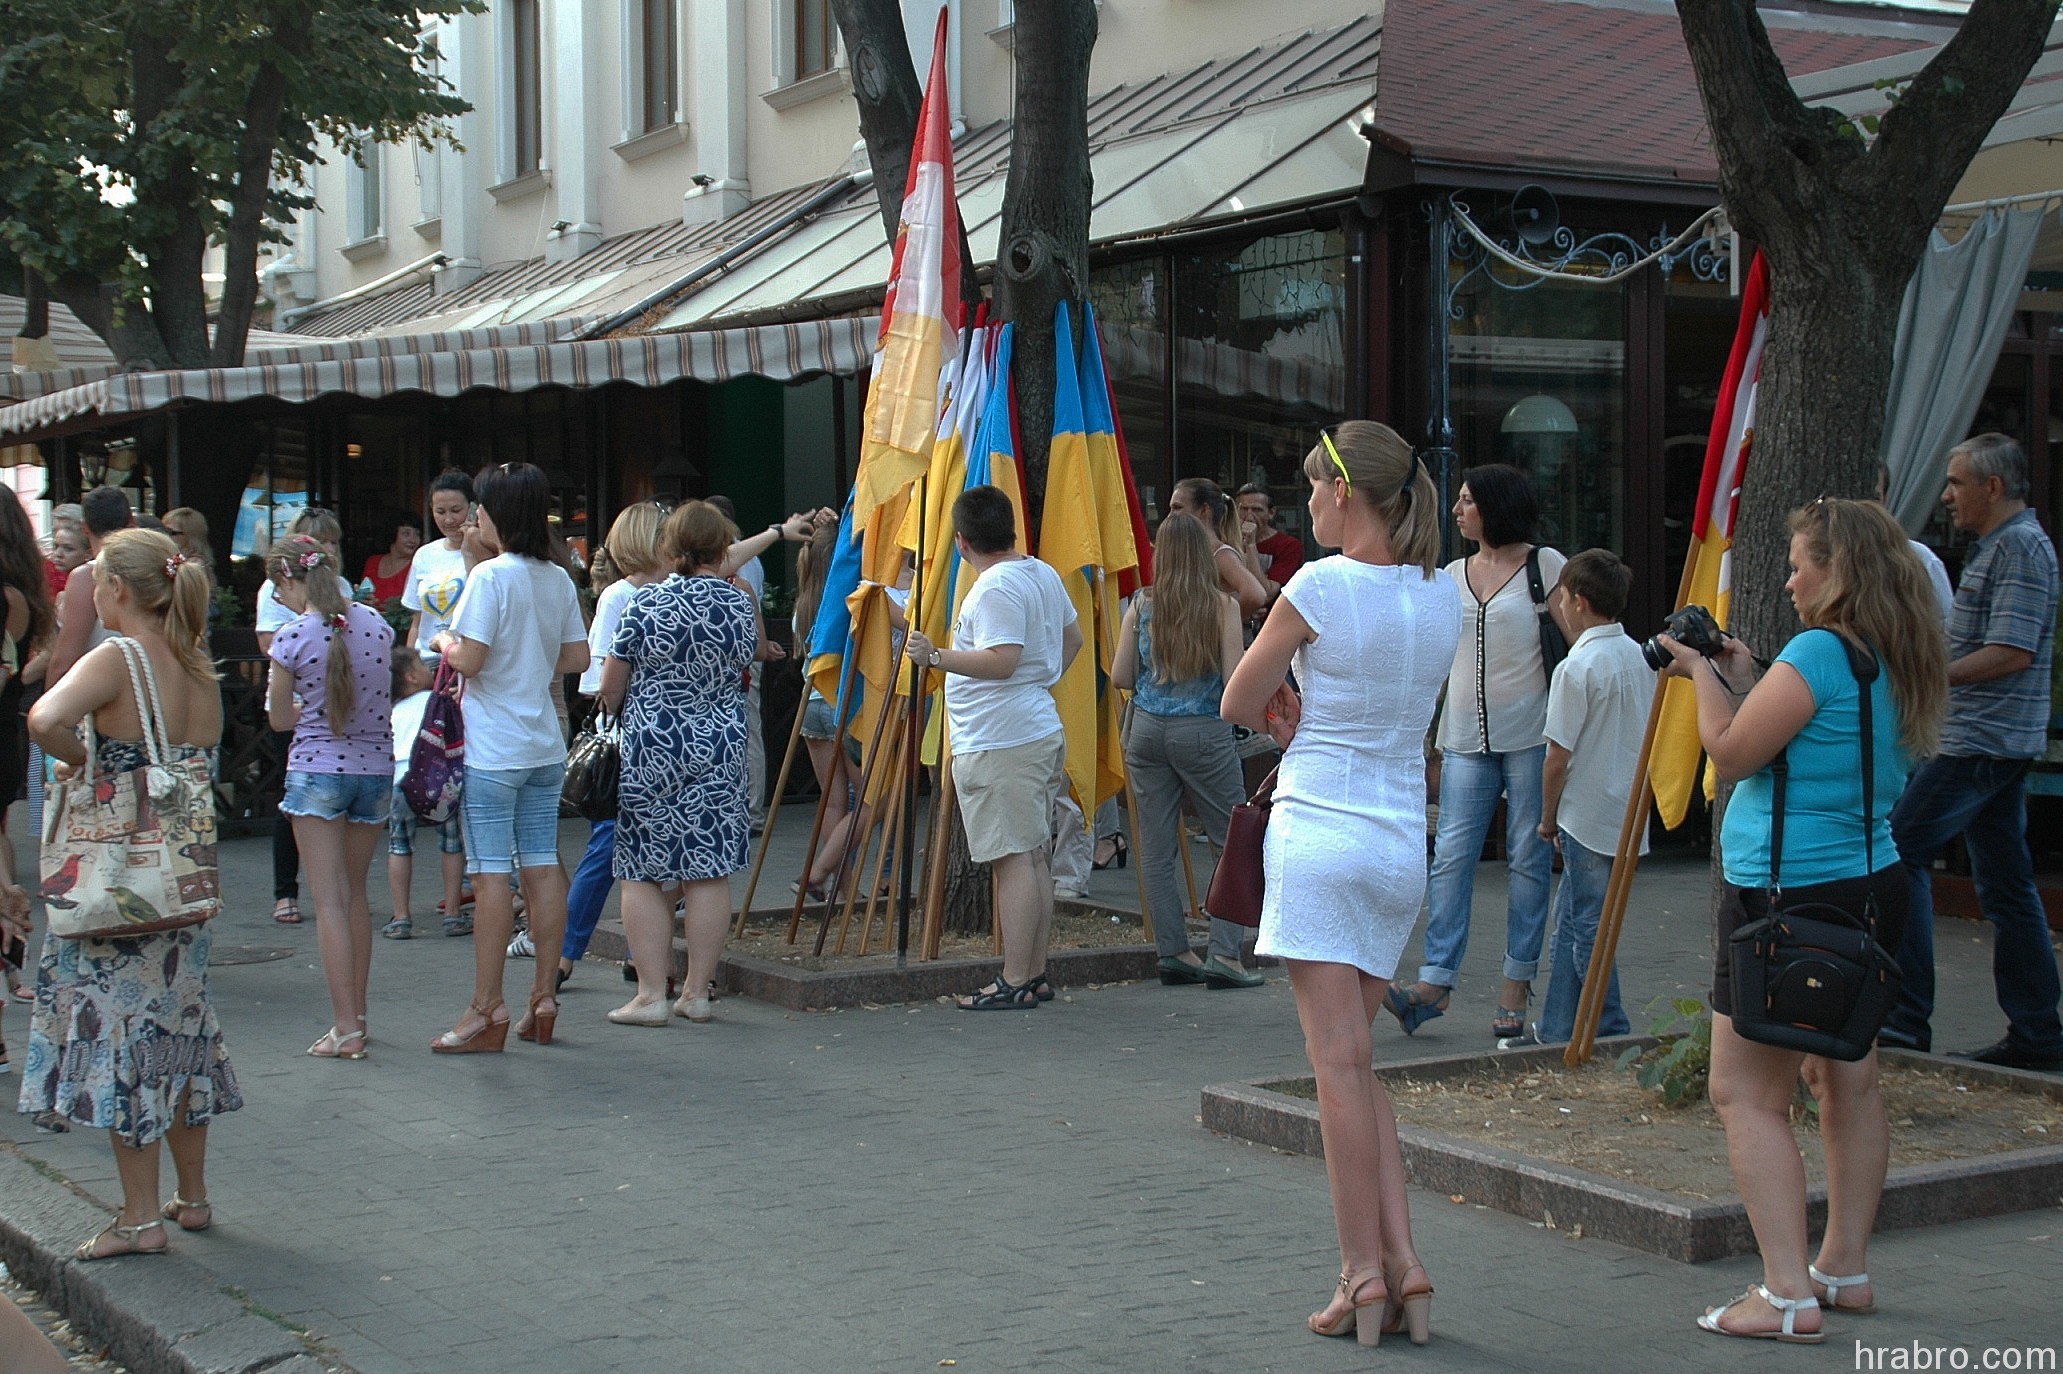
[901,1187]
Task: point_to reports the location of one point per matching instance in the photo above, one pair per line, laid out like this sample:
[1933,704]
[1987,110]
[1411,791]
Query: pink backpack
[436,773]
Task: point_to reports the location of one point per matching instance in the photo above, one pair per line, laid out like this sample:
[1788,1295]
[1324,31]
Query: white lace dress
[1346,846]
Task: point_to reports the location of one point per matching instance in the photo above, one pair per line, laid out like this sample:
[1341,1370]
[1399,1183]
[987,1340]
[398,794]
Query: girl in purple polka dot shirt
[330,684]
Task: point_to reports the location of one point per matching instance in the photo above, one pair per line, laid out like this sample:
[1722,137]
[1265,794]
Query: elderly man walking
[2000,638]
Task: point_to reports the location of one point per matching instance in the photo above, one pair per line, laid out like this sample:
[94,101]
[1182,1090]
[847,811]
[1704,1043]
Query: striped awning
[779,352]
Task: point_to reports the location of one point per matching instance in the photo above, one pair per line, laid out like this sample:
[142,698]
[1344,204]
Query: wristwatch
[937,656]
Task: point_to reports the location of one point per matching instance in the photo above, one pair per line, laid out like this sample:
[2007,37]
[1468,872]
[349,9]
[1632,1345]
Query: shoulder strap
[150,709]
[1533,582]
[1865,666]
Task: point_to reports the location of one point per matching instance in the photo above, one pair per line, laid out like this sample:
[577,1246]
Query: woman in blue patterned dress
[676,671]
[123,1035]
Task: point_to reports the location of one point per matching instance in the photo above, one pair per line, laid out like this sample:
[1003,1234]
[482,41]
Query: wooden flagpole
[773,810]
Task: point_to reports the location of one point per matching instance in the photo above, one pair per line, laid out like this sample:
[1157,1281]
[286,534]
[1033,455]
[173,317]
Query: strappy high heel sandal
[1352,1289]
[1511,1022]
[1410,1306]
[1411,1010]
[178,1208]
[488,1038]
[1788,1332]
[131,1238]
[537,1023]
[1834,1283]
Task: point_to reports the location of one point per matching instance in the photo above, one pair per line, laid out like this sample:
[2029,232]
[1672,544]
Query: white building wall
[744,123]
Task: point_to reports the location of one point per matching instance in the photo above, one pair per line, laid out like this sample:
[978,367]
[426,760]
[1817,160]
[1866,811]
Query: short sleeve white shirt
[523,610]
[1598,711]
[1018,601]
[600,635]
[436,581]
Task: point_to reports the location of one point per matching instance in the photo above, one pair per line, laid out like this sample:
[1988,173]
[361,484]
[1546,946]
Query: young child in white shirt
[412,679]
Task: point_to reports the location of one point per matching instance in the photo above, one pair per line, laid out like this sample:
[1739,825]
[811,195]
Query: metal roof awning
[1869,88]
[778,352]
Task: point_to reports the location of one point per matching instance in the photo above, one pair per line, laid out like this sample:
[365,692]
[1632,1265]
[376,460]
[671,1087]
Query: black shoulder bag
[593,766]
[1812,976]
[1554,645]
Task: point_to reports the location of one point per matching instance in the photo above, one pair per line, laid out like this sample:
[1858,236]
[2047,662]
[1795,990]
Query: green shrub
[1680,1068]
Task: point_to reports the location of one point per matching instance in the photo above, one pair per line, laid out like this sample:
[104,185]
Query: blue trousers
[589,890]
[1470,785]
[1982,800]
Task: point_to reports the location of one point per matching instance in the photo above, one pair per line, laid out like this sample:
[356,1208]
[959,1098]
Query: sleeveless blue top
[1196,697]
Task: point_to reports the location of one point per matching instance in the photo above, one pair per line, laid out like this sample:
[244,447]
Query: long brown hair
[812,566]
[1383,471]
[1877,592]
[162,582]
[1187,603]
[299,558]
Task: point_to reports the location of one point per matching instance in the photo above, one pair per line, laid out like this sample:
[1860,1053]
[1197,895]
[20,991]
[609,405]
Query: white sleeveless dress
[1346,847]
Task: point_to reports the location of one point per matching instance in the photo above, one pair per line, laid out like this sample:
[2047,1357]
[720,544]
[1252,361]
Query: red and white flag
[921,317]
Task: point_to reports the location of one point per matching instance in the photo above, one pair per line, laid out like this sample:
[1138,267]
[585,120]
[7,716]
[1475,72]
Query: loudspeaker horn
[1534,215]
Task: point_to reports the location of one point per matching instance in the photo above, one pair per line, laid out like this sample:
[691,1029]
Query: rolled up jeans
[1470,785]
[1169,757]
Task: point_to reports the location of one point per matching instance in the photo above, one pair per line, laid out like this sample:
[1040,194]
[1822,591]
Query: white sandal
[1834,1283]
[1790,1307]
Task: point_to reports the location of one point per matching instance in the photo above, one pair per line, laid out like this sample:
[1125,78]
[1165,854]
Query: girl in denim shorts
[330,684]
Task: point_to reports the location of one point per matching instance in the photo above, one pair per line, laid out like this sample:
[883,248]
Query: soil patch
[766,937]
[1598,1118]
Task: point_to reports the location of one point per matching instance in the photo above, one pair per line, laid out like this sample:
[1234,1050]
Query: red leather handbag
[1237,885]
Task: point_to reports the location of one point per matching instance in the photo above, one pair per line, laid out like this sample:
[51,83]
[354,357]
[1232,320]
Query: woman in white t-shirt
[517,626]
[633,548]
[437,572]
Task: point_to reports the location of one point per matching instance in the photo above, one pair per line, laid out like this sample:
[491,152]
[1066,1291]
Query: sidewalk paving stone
[886,1189]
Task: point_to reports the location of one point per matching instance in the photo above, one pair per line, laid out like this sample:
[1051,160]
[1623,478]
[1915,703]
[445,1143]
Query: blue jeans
[1980,799]
[1577,906]
[590,890]
[1470,785]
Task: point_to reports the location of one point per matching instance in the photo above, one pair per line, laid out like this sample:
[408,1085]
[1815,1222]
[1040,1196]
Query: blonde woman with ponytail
[331,684]
[123,1035]
[1371,632]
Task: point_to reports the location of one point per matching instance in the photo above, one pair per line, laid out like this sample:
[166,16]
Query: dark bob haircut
[984,517]
[1504,498]
[518,498]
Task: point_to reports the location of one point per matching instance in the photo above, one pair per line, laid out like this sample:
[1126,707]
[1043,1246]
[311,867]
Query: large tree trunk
[1044,255]
[174,252]
[262,110]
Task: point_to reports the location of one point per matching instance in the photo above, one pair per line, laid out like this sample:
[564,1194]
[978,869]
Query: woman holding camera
[1493,742]
[1853,574]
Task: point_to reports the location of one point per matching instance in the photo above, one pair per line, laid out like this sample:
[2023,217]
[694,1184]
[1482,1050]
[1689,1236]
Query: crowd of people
[1242,656]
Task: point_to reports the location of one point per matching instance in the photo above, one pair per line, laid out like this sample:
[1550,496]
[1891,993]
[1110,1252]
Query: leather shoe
[1179,972]
[1217,973]
[2008,1054]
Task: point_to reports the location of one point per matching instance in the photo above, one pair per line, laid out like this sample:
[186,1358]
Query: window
[429,162]
[362,210]
[526,107]
[659,50]
[816,38]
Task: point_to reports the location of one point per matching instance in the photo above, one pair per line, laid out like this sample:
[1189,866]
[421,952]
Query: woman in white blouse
[1492,740]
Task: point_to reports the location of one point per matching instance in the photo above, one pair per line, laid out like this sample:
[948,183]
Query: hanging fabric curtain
[1949,330]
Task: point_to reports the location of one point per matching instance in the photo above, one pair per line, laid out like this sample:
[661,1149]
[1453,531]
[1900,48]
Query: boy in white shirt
[411,697]
[1597,708]
[1015,636]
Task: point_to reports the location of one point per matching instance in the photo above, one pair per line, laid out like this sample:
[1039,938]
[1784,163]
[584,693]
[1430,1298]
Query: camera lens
[1655,654]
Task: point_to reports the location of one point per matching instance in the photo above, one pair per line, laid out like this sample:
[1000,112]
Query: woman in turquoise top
[1179,642]
[1854,574]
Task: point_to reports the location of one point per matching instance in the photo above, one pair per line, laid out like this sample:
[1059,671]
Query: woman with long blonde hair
[123,1036]
[632,551]
[1179,642]
[1854,574]
[331,684]
[1371,631]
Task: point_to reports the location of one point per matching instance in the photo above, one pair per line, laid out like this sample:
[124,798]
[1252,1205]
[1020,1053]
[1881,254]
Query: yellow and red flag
[1673,767]
[921,315]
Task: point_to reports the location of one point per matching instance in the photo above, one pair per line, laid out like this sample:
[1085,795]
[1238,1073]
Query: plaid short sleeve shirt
[2007,596]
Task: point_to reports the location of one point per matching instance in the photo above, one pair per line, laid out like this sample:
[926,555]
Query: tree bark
[1842,221]
[174,244]
[1044,255]
[260,135]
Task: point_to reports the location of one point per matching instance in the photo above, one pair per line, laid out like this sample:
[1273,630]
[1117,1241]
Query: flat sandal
[130,1236]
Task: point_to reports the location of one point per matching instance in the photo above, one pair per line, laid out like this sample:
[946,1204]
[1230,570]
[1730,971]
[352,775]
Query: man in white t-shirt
[1015,636]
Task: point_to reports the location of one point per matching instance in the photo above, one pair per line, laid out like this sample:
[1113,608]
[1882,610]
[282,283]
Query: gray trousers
[1168,757]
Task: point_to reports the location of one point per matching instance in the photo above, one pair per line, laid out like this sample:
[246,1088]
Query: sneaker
[522,947]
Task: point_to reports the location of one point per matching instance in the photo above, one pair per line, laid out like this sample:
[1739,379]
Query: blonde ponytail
[299,558]
[1383,471]
[165,584]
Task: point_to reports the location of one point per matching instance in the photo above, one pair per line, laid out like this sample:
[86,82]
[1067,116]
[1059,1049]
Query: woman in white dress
[1371,633]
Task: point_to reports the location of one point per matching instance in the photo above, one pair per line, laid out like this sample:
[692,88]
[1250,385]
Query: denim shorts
[818,720]
[360,798]
[512,818]
[401,828]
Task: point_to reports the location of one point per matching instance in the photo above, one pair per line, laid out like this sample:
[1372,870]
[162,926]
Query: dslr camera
[1694,628]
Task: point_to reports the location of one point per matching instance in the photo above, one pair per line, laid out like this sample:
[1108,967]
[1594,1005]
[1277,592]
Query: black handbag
[1812,976]
[593,766]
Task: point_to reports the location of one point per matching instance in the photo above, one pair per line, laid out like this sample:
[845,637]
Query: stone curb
[1691,1232]
[163,1315]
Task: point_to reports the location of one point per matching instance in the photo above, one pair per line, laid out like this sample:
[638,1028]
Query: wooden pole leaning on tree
[855,844]
[885,823]
[1590,1006]
[773,809]
[816,830]
[888,864]
[935,860]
